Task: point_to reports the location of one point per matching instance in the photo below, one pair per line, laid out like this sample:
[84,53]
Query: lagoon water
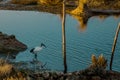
[34,28]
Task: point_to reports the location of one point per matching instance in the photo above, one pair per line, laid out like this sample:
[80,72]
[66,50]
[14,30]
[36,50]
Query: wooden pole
[64,38]
[114,45]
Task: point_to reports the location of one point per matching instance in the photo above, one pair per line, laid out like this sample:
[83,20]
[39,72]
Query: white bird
[37,49]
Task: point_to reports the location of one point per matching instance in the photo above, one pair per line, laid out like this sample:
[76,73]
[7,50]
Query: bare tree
[114,45]
[64,38]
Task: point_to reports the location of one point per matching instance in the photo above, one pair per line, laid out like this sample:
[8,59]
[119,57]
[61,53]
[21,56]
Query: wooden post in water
[114,45]
[64,38]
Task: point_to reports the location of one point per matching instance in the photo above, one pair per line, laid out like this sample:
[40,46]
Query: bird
[37,49]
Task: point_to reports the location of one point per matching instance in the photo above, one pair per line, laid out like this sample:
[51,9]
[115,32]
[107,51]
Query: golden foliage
[99,62]
[16,76]
[49,2]
[82,25]
[26,2]
[5,68]
[7,72]
[80,7]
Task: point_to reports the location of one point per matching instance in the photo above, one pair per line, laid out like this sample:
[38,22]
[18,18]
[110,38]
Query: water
[34,28]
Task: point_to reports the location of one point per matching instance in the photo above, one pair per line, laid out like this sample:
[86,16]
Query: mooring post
[114,45]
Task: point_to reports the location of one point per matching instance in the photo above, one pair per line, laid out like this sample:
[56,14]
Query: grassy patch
[5,68]
[49,2]
[8,72]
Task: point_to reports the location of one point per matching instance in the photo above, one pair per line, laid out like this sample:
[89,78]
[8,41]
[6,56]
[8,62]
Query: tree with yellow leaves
[80,7]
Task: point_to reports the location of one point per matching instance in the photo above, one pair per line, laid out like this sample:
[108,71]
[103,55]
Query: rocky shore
[9,44]
[96,71]
[87,74]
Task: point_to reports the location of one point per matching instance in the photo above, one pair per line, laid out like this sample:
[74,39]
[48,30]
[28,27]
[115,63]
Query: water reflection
[79,46]
[82,22]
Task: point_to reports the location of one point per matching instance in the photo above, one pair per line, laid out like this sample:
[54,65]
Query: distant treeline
[104,4]
[98,4]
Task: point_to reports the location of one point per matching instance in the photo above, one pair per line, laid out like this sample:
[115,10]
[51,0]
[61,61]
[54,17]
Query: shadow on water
[8,56]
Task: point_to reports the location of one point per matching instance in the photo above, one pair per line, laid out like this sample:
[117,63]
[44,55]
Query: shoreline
[89,73]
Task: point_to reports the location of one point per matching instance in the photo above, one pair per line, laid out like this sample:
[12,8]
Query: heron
[37,49]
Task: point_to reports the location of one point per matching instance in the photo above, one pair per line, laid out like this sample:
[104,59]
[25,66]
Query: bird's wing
[37,49]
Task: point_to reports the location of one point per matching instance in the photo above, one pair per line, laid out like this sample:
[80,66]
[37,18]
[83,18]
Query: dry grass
[49,2]
[80,7]
[7,72]
[17,76]
[99,62]
[24,2]
[5,68]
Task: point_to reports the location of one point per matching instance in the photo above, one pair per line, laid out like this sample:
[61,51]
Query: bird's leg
[42,66]
[36,57]
[35,61]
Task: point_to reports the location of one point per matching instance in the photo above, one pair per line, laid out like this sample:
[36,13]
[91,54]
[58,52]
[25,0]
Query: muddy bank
[78,75]
[9,44]
[35,70]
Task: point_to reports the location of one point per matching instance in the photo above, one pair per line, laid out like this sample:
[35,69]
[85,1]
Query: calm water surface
[34,28]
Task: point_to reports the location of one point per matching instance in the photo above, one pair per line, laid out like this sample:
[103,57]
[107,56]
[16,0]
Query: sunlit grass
[99,62]
[30,2]
[5,68]
[17,76]
[7,72]
[80,7]
[49,2]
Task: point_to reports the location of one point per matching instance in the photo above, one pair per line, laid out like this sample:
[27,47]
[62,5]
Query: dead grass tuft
[99,62]
[5,68]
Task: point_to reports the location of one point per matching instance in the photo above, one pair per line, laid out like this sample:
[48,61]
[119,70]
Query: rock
[9,44]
